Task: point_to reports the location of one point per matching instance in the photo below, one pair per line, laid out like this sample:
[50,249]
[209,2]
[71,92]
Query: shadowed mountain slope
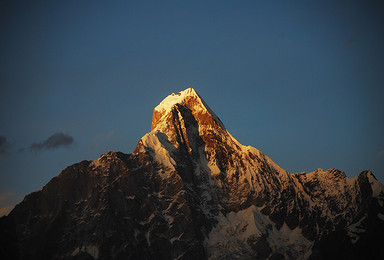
[191,191]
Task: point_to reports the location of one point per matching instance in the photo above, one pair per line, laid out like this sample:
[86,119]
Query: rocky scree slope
[191,191]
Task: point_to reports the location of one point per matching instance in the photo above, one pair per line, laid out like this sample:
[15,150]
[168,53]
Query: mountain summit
[191,191]
[190,100]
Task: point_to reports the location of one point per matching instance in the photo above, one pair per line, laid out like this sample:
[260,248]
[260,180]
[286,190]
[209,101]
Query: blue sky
[302,81]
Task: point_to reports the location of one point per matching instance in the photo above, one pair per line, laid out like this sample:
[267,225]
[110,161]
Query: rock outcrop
[191,191]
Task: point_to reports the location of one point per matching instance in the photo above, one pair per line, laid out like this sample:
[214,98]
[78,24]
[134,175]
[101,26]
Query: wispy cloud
[380,154]
[110,134]
[5,200]
[99,139]
[5,210]
[56,140]
[348,42]
[4,196]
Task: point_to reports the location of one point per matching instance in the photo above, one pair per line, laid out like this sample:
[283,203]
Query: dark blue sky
[302,81]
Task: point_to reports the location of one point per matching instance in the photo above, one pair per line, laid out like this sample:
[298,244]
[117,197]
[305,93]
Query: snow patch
[92,250]
[158,145]
[96,163]
[355,230]
[376,186]
[166,105]
[147,238]
[234,234]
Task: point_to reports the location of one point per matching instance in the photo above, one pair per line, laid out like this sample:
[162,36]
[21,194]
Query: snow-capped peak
[166,105]
[190,190]
[188,98]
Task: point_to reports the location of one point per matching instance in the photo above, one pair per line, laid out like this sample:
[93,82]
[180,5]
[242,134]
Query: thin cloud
[4,196]
[5,210]
[55,141]
[380,154]
[110,134]
[99,139]
[348,42]
[5,199]
[3,144]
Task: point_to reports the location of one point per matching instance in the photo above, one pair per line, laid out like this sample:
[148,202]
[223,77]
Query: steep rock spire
[190,100]
[185,129]
[191,191]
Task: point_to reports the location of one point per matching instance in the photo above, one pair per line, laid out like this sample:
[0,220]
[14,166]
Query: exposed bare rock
[191,191]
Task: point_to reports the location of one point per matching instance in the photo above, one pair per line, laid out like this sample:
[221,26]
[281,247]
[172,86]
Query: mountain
[191,191]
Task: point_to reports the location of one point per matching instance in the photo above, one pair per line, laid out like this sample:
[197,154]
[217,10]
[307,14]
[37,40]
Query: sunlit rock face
[191,191]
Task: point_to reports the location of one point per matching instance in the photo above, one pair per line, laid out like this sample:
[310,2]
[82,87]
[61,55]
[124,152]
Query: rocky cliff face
[191,191]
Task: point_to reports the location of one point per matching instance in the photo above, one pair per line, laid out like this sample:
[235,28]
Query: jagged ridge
[191,191]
